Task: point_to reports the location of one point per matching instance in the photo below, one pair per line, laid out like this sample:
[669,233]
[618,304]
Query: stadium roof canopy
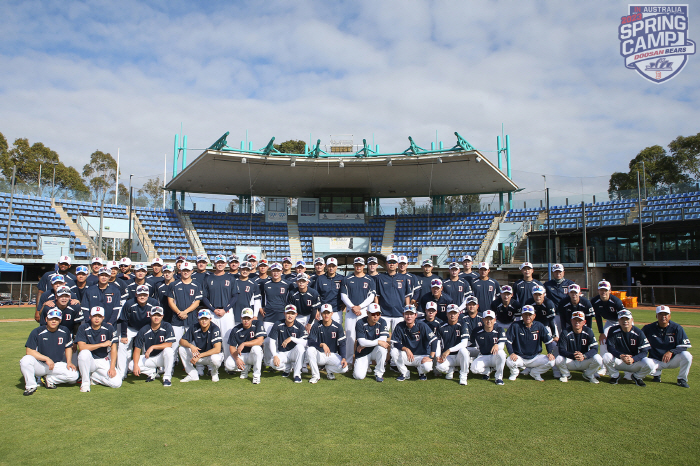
[414,172]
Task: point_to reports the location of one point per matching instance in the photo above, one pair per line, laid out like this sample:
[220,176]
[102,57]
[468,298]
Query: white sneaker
[244,372]
[314,379]
[563,379]
[462,380]
[602,372]
[84,388]
[450,375]
[330,376]
[256,379]
[592,379]
[526,371]
[537,377]
[513,376]
[628,376]
[215,377]
[189,378]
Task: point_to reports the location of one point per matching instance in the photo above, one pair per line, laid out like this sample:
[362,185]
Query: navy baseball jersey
[200,277]
[121,284]
[71,316]
[370,332]
[131,289]
[556,290]
[92,280]
[442,302]
[260,281]
[329,289]
[80,292]
[45,281]
[485,341]
[110,299]
[634,343]
[584,342]
[506,314]
[422,287]
[184,294]
[469,277]
[307,303]
[452,335]
[217,291]
[332,336]
[527,342]
[274,296]
[136,316]
[474,323]
[155,281]
[89,335]
[358,289]
[148,337]
[162,298]
[240,334]
[485,291]
[246,292]
[458,290]
[281,331]
[50,344]
[545,313]
[672,338]
[204,341]
[566,308]
[392,291]
[606,309]
[522,290]
[419,339]
[51,296]
[125,277]
[434,324]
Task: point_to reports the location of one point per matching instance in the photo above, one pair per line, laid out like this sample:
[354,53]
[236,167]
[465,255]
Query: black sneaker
[613,380]
[639,382]
[682,383]
[657,378]
[485,377]
[47,384]
[285,374]
[151,379]
[499,382]
[30,391]
[167,383]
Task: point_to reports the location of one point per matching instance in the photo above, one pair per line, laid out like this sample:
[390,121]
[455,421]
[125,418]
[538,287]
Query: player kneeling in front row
[455,338]
[201,346]
[153,349]
[524,340]
[669,346]
[245,341]
[372,344]
[578,350]
[490,340]
[326,346]
[288,344]
[627,350]
[49,353]
[97,359]
[414,345]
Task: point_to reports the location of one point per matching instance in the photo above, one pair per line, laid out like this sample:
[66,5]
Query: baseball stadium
[309,254]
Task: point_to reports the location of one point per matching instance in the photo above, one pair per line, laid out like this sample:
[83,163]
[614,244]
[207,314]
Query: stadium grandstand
[339,189]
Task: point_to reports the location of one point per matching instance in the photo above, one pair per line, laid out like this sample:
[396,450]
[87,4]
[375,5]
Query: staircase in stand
[294,240]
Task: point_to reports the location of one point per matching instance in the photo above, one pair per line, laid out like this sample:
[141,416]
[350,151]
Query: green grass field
[344,421]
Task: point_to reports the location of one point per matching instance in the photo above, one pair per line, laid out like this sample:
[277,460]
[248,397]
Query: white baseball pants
[213,362]
[319,358]
[290,361]
[460,359]
[97,370]
[32,368]
[350,321]
[493,362]
[149,366]
[253,358]
[400,359]
[378,355]
[589,366]
[537,365]
[226,324]
[125,351]
[639,369]
[682,360]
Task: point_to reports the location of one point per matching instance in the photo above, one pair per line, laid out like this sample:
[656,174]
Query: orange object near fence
[630,302]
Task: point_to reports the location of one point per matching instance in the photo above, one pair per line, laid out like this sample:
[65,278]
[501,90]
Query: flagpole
[116,188]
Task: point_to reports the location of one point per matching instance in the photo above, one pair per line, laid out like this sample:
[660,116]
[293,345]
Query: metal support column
[500,166]
[510,177]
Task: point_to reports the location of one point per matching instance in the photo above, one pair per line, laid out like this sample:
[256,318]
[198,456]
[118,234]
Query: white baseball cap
[538,290]
[472,299]
[300,264]
[527,309]
[65,291]
[57,277]
[431,305]
[276,266]
[246,265]
[426,262]
[455,265]
[124,261]
[410,308]
[97,260]
[64,260]
[624,313]
[574,287]
[467,258]
[372,260]
[392,258]
[604,285]
[359,260]
[140,266]
[142,289]
[247,312]
[557,268]
[403,260]
[54,313]
[484,265]
[319,260]
[488,313]
[186,266]
[302,277]
[506,289]
[452,308]
[578,315]
[332,261]
[204,314]
[113,264]
[373,309]
[290,308]
[202,258]
[97,311]
[663,310]
[157,310]
[104,271]
[436,283]
[326,308]
[526,264]
[157,261]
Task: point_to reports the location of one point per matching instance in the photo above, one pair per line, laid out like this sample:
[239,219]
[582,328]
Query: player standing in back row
[484,288]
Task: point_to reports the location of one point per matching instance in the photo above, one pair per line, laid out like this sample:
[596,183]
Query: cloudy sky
[81,76]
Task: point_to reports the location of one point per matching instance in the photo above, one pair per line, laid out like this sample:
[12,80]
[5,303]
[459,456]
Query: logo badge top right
[654,40]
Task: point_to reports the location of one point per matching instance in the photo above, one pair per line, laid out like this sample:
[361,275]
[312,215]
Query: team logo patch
[654,40]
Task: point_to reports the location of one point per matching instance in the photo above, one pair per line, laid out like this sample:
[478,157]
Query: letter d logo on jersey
[654,40]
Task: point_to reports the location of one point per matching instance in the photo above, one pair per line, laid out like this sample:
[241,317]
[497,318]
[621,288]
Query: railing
[675,295]
[143,237]
[92,246]
[17,292]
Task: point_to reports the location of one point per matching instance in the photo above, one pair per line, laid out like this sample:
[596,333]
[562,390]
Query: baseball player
[162,291]
[571,303]
[252,259]
[431,319]
[473,319]
[372,266]
[106,295]
[326,346]
[218,293]
[139,279]
[457,288]
[393,292]
[545,313]
[125,274]
[262,276]
[524,341]
[319,270]
[184,296]
[490,340]
[246,340]
[438,297]
[179,260]
[49,354]
[201,346]
[153,349]
[114,279]
[48,297]
[95,265]
[523,287]
[558,287]
[287,344]
[200,275]
[506,308]
[72,314]
[157,277]
[578,350]
[422,285]
[413,345]
[358,291]
[233,263]
[62,267]
[372,344]
[81,284]
[287,272]
[484,288]
[329,288]
[454,353]
[97,345]
[606,306]
[274,294]
[306,300]
[467,273]
[669,346]
[246,291]
[299,268]
[403,269]
[628,348]
[135,314]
